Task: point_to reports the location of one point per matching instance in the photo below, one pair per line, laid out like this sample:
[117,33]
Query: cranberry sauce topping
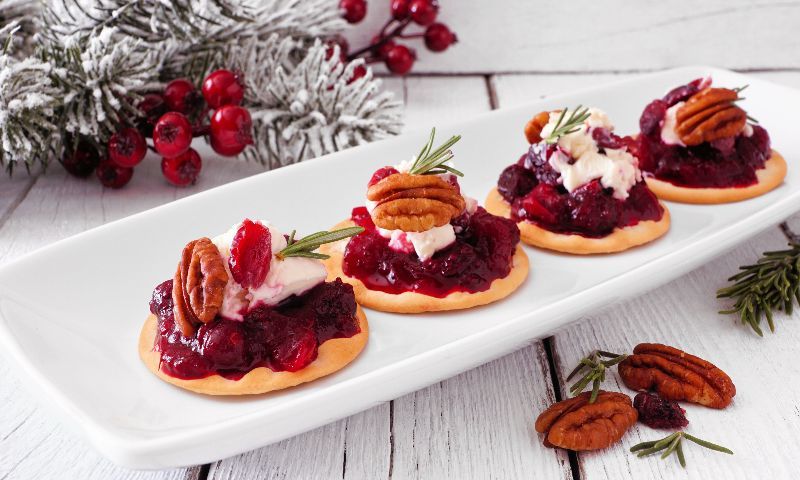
[481,253]
[285,337]
[531,187]
[657,412]
[731,162]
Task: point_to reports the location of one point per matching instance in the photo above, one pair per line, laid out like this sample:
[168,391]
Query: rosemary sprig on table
[594,370]
[571,124]
[771,283]
[433,162]
[305,246]
[672,443]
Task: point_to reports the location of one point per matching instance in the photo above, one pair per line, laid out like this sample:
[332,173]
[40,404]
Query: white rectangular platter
[70,313]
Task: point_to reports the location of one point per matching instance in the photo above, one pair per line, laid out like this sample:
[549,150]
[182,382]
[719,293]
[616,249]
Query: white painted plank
[614,35]
[760,424]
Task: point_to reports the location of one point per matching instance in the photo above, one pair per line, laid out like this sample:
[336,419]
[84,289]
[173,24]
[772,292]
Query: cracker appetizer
[578,189]
[249,312]
[697,145]
[426,247]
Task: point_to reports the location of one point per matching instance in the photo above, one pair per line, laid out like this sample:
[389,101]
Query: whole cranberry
[353,10]
[423,12]
[438,37]
[251,254]
[127,147]
[682,93]
[399,9]
[593,210]
[182,170]
[653,114]
[515,182]
[81,160]
[606,139]
[223,87]
[152,107]
[112,175]
[399,59]
[223,342]
[181,96]
[380,174]
[231,130]
[543,204]
[172,134]
[295,351]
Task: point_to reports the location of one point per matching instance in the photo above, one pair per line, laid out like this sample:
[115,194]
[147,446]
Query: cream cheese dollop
[287,277]
[578,159]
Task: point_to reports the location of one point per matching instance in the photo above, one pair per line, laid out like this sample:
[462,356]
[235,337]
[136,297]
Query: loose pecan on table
[199,285]
[533,129]
[676,375]
[709,115]
[414,203]
[575,424]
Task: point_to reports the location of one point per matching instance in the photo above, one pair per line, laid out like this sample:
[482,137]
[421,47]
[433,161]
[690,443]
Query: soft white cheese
[578,159]
[287,277]
[668,134]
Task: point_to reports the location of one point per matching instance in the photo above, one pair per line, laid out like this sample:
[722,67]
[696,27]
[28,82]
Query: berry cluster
[384,47]
[171,118]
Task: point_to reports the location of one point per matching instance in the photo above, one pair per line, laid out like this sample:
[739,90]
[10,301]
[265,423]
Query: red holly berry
[251,254]
[81,160]
[353,10]
[112,175]
[181,96]
[182,170]
[399,59]
[297,351]
[172,134]
[380,174]
[399,9]
[344,47]
[358,72]
[231,130]
[381,46]
[152,107]
[438,37]
[223,87]
[127,147]
[423,12]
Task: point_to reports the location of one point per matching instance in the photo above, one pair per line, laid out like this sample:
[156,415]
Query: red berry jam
[657,412]
[481,253]
[731,162]
[285,337]
[532,189]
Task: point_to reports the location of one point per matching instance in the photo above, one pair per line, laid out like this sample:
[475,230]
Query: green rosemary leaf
[707,444]
[642,446]
[305,246]
[432,162]
[679,452]
[758,290]
[672,446]
[568,124]
[593,370]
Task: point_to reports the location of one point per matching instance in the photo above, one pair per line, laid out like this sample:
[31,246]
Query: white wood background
[480,424]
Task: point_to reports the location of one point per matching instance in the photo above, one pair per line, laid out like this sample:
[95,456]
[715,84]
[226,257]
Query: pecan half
[709,115]
[533,129]
[414,203]
[676,375]
[199,285]
[576,424]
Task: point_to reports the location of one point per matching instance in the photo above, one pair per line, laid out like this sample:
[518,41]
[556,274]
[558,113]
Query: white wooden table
[480,423]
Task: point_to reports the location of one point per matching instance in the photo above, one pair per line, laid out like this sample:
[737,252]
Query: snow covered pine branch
[91,62]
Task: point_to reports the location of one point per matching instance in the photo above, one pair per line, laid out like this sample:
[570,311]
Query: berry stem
[412,35]
[384,38]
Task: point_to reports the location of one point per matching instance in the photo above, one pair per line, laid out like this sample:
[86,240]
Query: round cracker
[333,355]
[769,177]
[618,240]
[413,302]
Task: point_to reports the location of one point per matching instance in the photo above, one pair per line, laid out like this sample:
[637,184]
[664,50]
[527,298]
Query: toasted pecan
[575,424]
[676,375]
[414,203]
[199,285]
[533,129]
[709,115]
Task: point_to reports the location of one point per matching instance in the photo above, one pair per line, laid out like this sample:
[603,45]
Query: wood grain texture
[610,36]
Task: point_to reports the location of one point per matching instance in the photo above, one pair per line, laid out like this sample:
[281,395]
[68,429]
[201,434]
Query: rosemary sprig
[672,444]
[305,246]
[566,125]
[740,90]
[771,283]
[593,370]
[433,162]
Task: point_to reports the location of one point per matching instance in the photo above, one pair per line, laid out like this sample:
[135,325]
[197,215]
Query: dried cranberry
[656,412]
[682,93]
[653,114]
[606,139]
[380,174]
[515,181]
[251,254]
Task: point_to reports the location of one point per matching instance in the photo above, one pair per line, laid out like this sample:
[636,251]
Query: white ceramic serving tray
[70,313]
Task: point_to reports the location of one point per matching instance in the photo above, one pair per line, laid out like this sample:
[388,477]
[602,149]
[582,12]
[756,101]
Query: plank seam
[485,73]
[391,438]
[491,89]
[204,471]
[549,350]
[790,234]
[20,198]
